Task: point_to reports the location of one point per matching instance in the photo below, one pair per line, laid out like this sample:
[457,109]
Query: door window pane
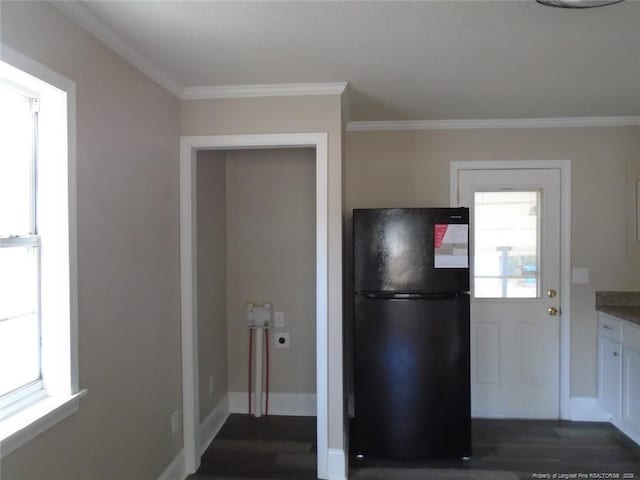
[506,244]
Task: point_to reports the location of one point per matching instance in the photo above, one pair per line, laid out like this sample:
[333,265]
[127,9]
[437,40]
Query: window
[506,244]
[20,372]
[38,346]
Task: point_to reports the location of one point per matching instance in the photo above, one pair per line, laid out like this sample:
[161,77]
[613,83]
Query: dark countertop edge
[630,313]
[617,298]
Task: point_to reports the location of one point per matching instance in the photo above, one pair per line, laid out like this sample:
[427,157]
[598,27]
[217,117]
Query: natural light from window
[19,257]
[506,240]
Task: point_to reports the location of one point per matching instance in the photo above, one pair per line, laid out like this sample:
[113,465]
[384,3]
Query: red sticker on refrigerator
[438,236]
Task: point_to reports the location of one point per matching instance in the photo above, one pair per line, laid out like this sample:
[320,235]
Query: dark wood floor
[278,447]
[272,447]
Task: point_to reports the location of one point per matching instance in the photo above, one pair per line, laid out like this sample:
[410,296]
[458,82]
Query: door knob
[552,311]
[551,293]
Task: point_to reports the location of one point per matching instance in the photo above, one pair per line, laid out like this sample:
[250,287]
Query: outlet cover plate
[580,275]
[175,422]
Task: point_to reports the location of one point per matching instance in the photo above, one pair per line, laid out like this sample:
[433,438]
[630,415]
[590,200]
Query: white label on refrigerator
[451,244]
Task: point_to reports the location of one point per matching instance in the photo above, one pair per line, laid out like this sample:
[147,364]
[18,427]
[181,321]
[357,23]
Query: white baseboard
[336,464]
[581,409]
[501,416]
[298,404]
[587,409]
[632,434]
[211,425]
[176,469]
[209,428]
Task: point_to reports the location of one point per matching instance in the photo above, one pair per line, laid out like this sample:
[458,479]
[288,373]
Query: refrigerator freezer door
[412,395]
[394,250]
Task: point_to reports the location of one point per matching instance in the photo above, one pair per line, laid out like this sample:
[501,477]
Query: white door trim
[189,145]
[565,252]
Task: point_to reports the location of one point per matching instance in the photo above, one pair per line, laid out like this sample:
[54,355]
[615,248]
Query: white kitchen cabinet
[610,374]
[610,327]
[631,377]
[619,372]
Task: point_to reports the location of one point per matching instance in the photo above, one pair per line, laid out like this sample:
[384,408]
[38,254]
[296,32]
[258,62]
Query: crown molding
[495,123]
[274,90]
[87,20]
[346,109]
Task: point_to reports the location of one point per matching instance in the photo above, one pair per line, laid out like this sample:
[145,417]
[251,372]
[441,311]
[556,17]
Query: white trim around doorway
[565,252]
[189,145]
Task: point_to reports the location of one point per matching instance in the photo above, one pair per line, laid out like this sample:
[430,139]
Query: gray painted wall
[271,258]
[128,261]
[212,278]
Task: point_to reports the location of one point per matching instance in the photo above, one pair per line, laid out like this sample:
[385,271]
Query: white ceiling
[403,60]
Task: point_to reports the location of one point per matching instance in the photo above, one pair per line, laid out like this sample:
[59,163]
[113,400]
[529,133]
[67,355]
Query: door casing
[565,251]
[189,145]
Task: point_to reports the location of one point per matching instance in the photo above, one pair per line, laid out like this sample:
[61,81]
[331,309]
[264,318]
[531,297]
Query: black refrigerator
[411,334]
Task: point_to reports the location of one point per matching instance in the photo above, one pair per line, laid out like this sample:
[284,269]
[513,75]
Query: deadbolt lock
[551,293]
[553,311]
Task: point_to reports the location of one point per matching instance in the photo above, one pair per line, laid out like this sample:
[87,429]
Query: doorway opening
[275,205]
[255,234]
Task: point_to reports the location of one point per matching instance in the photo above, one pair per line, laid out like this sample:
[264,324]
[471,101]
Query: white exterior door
[515,323]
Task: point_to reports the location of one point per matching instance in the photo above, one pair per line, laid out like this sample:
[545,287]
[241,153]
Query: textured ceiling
[403,60]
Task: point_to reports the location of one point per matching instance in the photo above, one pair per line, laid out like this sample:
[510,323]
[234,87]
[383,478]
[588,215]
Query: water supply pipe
[258,378]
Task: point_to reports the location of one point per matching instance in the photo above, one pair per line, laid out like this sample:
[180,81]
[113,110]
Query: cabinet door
[610,373]
[631,388]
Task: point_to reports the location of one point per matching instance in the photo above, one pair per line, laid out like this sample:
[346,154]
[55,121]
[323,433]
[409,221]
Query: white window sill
[27,424]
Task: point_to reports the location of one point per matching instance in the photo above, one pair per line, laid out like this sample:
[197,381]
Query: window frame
[61,396]
[32,390]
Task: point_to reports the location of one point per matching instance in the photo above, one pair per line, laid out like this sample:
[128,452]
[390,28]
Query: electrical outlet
[281,340]
[175,422]
[211,385]
[278,319]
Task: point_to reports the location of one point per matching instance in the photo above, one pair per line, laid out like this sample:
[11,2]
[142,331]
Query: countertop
[630,313]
